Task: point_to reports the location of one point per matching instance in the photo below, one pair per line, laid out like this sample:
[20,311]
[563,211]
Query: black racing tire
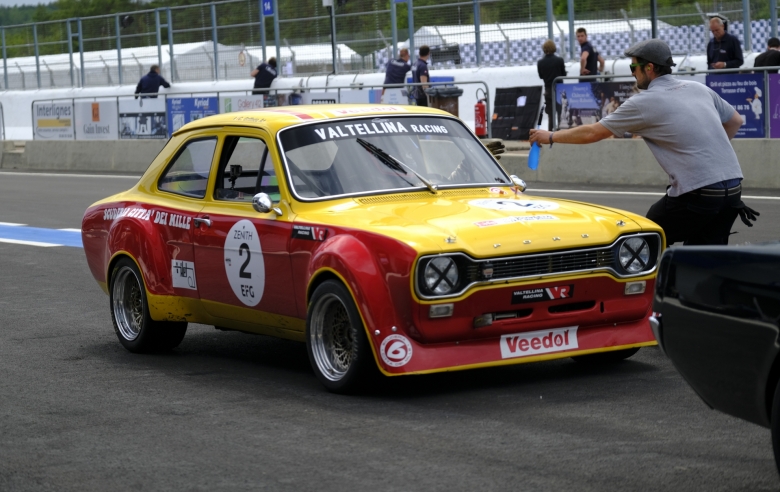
[775,419]
[336,341]
[136,330]
[606,357]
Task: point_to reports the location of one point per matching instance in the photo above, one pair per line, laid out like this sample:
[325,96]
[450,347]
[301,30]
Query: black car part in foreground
[718,320]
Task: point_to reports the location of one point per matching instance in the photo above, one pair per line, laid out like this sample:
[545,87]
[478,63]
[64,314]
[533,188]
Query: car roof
[276,118]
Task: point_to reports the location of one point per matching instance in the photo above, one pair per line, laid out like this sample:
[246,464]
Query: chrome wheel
[128,303]
[331,337]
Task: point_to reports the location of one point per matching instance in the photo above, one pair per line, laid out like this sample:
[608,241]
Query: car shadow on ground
[206,351]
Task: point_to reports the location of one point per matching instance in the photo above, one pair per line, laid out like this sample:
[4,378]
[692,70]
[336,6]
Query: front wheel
[606,357]
[136,330]
[336,341]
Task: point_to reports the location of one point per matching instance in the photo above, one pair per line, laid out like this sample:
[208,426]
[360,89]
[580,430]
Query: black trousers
[548,110]
[699,217]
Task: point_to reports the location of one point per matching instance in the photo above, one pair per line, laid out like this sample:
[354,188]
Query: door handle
[198,221]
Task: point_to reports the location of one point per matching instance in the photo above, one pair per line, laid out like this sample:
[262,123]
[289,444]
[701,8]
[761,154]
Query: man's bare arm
[254,73]
[583,59]
[602,63]
[423,79]
[584,134]
[732,125]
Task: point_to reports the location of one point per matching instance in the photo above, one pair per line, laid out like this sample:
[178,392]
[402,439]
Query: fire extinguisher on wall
[480,116]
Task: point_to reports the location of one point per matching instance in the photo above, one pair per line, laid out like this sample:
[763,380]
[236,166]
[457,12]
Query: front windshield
[331,158]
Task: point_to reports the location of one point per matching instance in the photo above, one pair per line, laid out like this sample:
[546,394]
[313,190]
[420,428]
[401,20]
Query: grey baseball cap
[652,50]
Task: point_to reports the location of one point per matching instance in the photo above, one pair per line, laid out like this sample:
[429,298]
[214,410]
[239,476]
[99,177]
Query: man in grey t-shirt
[687,127]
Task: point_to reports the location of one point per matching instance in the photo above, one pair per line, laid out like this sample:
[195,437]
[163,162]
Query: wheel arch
[771,384]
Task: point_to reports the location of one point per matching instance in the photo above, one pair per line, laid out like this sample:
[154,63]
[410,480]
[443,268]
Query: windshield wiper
[394,163]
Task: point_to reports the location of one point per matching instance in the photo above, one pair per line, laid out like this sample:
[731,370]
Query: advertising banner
[774,105]
[53,120]
[182,110]
[96,120]
[142,119]
[584,103]
[319,98]
[229,104]
[365,96]
[745,92]
[396,96]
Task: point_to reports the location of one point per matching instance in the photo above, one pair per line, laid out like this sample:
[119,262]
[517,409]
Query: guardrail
[76,121]
[764,97]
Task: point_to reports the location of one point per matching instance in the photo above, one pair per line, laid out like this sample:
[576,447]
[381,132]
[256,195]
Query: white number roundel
[244,263]
[396,350]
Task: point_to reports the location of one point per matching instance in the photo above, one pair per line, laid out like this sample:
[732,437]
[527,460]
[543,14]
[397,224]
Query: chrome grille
[529,266]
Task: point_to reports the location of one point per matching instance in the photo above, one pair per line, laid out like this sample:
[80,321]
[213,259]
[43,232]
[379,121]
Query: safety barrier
[157,116]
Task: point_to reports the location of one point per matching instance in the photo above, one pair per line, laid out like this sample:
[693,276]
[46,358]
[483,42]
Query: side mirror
[263,204]
[518,182]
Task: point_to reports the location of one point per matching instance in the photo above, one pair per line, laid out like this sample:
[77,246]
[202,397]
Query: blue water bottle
[533,155]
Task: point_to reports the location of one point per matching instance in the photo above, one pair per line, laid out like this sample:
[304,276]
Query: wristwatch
[551,140]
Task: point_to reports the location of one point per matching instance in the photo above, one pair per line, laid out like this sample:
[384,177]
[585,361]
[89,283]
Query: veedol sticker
[538,342]
[183,274]
[396,350]
[244,264]
[506,204]
[513,219]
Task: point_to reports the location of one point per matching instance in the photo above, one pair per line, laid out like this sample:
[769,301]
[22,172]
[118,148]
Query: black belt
[718,191]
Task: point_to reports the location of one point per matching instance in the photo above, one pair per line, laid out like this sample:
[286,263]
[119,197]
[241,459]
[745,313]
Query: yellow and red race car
[381,236]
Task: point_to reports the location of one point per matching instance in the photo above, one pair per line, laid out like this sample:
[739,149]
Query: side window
[240,168]
[189,173]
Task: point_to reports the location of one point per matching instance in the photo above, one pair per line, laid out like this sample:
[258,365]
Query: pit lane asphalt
[230,411]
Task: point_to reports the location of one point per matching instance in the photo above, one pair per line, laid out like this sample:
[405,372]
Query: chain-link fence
[226,40]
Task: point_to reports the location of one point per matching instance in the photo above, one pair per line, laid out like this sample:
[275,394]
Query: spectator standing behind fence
[550,67]
[590,61]
[723,50]
[770,57]
[420,76]
[397,69]
[687,127]
[264,74]
[150,83]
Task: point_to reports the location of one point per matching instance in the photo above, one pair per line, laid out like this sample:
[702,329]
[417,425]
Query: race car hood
[482,226]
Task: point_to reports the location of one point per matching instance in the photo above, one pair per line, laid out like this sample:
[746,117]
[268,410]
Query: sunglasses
[634,65]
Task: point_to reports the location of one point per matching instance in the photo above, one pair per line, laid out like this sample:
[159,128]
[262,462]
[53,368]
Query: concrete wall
[630,162]
[111,156]
[613,161]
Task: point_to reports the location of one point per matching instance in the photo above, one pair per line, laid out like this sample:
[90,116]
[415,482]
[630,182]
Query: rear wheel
[136,330]
[336,341]
[606,357]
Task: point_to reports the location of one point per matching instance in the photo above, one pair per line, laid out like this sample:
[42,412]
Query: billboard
[53,120]
[745,92]
[96,120]
[773,111]
[182,110]
[584,103]
[142,119]
[229,104]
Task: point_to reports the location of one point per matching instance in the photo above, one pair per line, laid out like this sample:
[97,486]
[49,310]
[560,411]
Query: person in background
[687,127]
[591,63]
[150,83]
[770,57]
[397,69]
[420,75]
[264,74]
[723,50]
[550,67]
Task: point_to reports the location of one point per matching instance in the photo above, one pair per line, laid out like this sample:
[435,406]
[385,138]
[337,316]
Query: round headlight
[634,255]
[441,275]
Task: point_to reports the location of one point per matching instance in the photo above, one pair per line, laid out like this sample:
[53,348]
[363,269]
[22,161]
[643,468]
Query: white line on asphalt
[29,243]
[109,176]
[71,230]
[647,193]
[11,224]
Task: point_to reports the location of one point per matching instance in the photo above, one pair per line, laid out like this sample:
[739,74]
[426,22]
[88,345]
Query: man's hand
[496,148]
[541,137]
[584,71]
[719,65]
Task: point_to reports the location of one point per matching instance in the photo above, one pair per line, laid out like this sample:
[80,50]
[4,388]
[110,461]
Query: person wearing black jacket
[150,83]
[770,57]
[550,67]
[723,50]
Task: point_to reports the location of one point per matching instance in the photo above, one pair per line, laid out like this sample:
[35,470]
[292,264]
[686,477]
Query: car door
[182,187]
[243,253]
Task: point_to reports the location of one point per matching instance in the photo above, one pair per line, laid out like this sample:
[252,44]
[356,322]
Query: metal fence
[225,40]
